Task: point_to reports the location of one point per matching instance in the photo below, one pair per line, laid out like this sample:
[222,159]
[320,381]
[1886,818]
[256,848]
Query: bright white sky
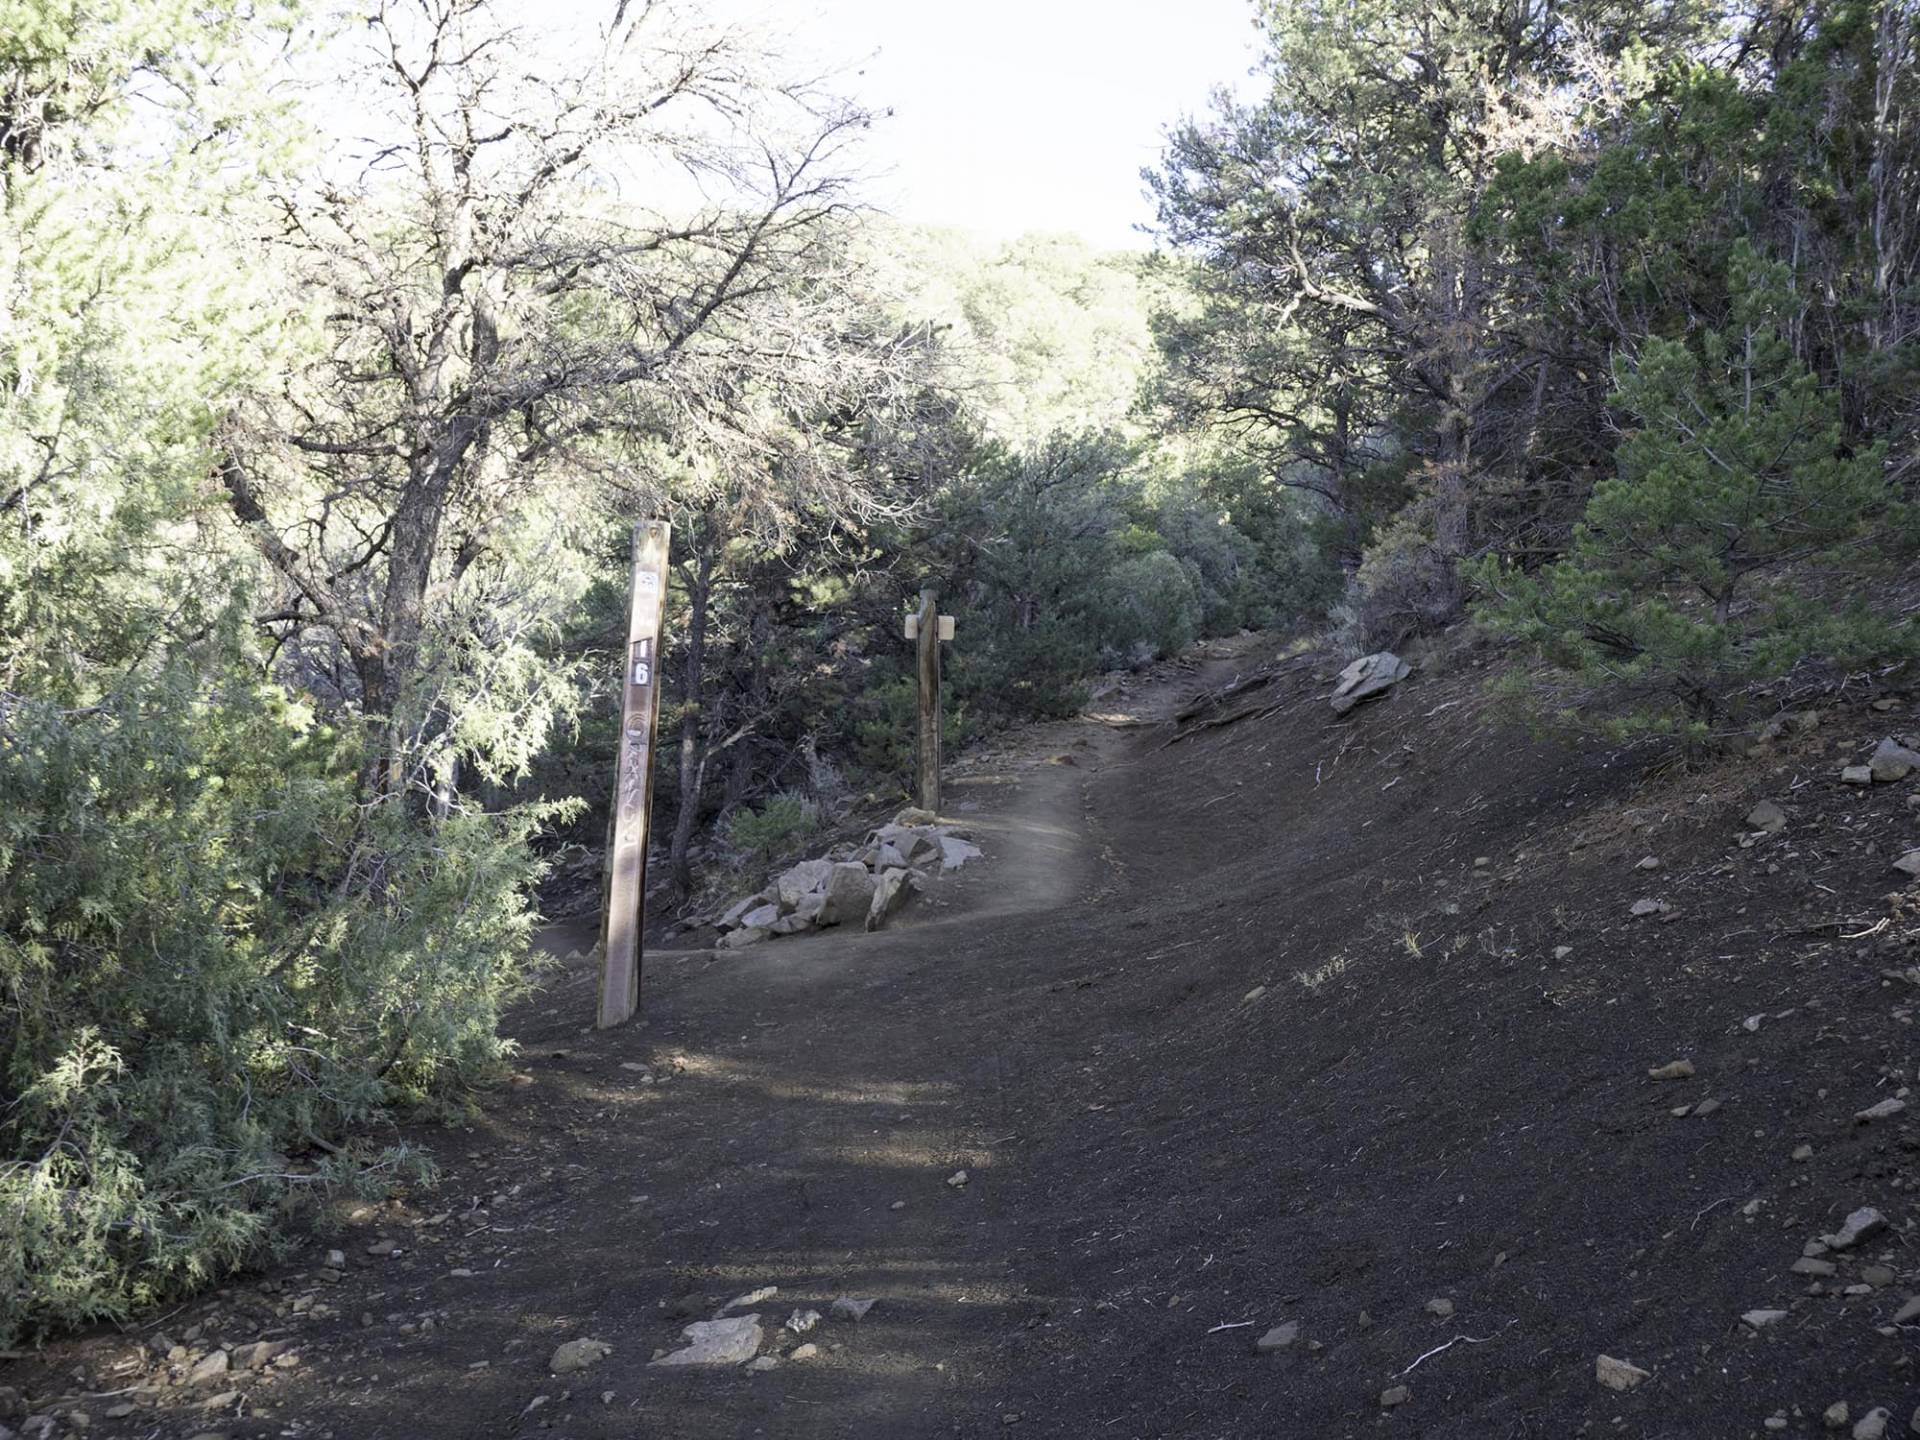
[1019,115]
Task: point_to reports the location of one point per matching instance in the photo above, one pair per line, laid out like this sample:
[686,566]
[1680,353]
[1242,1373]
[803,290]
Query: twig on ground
[1231,1325]
[1715,1206]
[1456,1340]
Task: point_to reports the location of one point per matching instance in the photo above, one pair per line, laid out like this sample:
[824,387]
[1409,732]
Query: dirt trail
[1340,1023]
[821,1091]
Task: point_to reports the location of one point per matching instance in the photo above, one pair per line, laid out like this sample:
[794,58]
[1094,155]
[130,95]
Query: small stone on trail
[1672,1070]
[1909,863]
[1908,1312]
[804,1352]
[1835,1415]
[752,1297]
[578,1355]
[851,1307]
[1892,761]
[732,1341]
[761,1364]
[1760,1319]
[1878,1276]
[1857,775]
[1767,816]
[1649,907]
[958,1179]
[1873,1424]
[1618,1374]
[213,1366]
[801,1321]
[1802,1152]
[1561,952]
[898,1205]
[1440,1308]
[1253,994]
[1807,1265]
[1651,862]
[1885,1109]
[1860,1225]
[1394,1395]
[1706,1107]
[1278,1338]
[259,1354]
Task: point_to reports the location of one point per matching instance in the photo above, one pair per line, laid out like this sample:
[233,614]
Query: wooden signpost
[633,778]
[929,627]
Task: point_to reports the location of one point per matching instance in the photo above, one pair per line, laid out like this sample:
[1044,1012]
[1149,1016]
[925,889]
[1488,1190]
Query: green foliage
[220,960]
[777,827]
[1736,539]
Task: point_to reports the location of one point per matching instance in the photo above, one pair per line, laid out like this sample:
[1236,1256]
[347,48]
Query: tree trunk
[692,709]
[740,770]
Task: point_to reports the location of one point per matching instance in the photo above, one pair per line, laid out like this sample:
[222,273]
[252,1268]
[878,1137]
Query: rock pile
[853,884]
[1890,763]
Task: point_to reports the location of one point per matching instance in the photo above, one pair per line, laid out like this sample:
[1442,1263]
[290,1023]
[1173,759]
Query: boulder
[889,894]
[921,844]
[955,852]
[737,914]
[1366,677]
[761,916]
[801,881]
[849,894]
[890,856]
[746,935]
[793,924]
[1893,761]
[914,815]
[732,1341]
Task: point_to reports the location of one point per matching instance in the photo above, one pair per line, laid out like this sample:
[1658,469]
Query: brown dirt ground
[1226,1032]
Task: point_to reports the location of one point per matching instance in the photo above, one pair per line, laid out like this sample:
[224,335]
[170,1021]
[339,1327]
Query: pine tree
[1734,541]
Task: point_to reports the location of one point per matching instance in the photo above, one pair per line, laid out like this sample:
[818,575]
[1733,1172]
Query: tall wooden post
[929,746]
[633,778]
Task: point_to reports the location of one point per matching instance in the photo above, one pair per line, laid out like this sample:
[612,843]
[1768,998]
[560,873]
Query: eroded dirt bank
[1339,1022]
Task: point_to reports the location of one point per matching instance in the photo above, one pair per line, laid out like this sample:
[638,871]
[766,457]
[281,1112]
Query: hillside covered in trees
[339,355]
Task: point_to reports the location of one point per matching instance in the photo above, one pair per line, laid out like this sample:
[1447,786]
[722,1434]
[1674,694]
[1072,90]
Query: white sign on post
[633,782]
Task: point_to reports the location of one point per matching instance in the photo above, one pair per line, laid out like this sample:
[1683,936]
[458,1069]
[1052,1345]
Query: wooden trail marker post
[633,778]
[929,627]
